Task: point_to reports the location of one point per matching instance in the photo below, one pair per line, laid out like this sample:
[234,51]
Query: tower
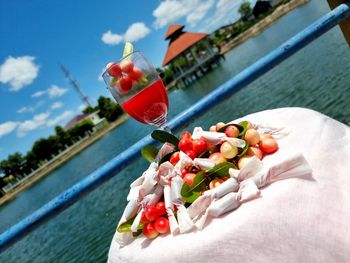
[75,85]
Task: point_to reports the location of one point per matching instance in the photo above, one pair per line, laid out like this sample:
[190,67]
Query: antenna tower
[75,85]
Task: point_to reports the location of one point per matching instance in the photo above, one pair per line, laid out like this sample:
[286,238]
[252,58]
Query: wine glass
[136,86]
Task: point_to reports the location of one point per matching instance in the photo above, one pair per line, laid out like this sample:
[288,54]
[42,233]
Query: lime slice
[128,48]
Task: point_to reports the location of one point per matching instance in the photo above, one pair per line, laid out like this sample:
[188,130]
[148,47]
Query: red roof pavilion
[179,41]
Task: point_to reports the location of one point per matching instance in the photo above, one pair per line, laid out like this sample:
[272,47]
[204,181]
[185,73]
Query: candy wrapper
[202,175]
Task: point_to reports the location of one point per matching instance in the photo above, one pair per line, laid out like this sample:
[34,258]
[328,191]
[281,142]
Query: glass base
[160,121]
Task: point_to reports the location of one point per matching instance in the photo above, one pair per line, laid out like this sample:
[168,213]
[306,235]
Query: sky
[84,35]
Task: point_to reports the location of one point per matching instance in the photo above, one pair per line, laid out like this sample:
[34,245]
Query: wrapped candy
[221,200]
[185,222]
[174,226]
[202,203]
[204,163]
[216,137]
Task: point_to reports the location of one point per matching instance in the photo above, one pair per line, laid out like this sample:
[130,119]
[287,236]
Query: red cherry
[188,178]
[127,66]
[144,219]
[191,154]
[232,131]
[186,135]
[150,231]
[151,213]
[125,84]
[162,225]
[161,209]
[175,157]
[185,144]
[136,74]
[184,171]
[114,70]
[268,145]
[199,146]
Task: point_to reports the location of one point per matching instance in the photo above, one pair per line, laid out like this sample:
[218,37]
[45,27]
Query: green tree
[3,183]
[63,137]
[108,109]
[31,162]
[81,129]
[13,165]
[45,148]
[245,11]
[89,109]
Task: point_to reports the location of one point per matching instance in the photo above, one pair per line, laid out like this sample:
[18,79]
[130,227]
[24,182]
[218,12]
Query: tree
[89,109]
[245,11]
[81,128]
[63,137]
[108,109]
[44,148]
[13,165]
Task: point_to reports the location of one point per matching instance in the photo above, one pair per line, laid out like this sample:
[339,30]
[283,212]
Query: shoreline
[66,157]
[263,24]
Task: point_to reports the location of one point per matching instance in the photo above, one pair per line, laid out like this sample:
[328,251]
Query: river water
[317,77]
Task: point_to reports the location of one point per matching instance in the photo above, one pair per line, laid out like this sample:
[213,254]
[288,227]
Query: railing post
[345,24]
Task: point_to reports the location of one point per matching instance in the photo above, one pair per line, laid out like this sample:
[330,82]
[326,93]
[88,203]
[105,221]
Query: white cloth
[295,220]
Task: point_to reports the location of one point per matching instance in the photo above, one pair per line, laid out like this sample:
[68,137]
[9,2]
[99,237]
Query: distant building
[188,54]
[93,117]
[261,7]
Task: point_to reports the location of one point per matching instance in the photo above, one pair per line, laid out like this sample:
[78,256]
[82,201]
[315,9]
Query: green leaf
[191,192]
[220,170]
[136,234]
[245,125]
[242,127]
[126,227]
[242,152]
[223,128]
[149,152]
[163,137]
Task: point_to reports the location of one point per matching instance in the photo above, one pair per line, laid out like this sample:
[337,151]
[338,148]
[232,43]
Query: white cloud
[65,115]
[199,12]
[53,92]
[30,125]
[7,127]
[226,12]
[112,39]
[169,11]
[134,33]
[57,105]
[26,109]
[18,72]
[39,93]
[56,91]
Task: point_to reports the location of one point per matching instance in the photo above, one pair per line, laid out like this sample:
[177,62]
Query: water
[316,77]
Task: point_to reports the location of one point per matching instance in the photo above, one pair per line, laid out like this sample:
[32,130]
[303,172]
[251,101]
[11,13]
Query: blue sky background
[84,35]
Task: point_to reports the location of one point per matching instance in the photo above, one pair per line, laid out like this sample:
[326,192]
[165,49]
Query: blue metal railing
[111,168]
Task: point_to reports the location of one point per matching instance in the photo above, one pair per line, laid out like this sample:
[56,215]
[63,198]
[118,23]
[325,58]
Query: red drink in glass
[136,86]
[149,105]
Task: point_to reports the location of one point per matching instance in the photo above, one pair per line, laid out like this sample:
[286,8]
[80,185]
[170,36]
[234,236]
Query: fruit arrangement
[125,75]
[187,168]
